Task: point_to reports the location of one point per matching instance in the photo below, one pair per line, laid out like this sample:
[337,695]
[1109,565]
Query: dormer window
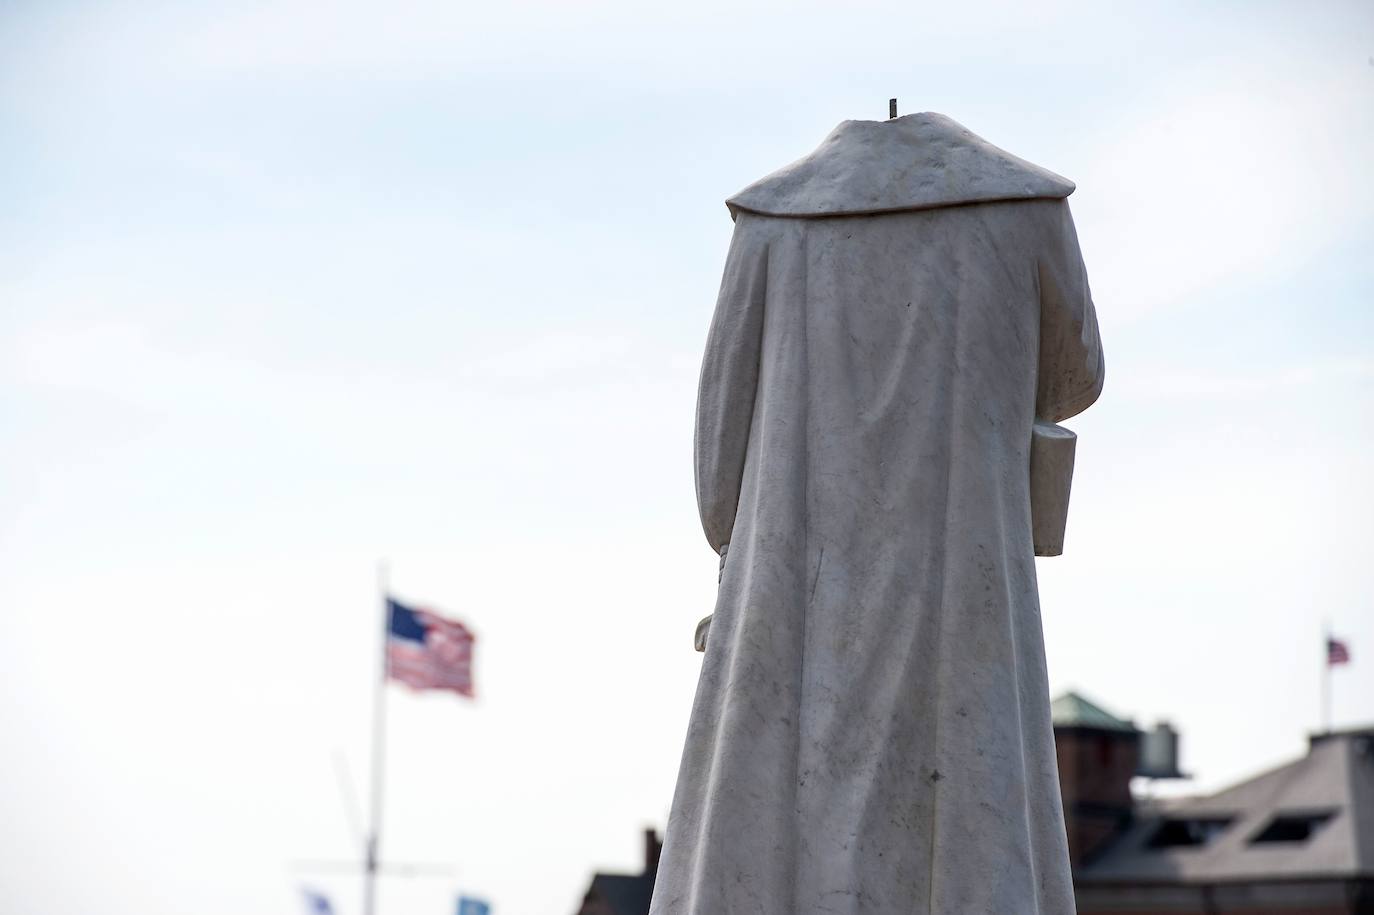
[1292,827]
[1181,832]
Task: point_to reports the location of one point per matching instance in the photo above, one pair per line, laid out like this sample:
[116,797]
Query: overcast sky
[288,287]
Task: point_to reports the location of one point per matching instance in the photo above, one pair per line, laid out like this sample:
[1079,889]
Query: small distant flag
[426,651]
[316,904]
[470,906]
[1337,652]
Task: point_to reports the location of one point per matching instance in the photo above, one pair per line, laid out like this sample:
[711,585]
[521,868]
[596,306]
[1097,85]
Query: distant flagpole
[373,850]
[1326,676]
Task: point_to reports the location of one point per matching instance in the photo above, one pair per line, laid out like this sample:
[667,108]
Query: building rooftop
[1312,818]
[619,894]
[625,894]
[1074,711]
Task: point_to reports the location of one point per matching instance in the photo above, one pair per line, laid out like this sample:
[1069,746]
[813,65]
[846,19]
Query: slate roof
[1073,711]
[1334,780]
[624,894]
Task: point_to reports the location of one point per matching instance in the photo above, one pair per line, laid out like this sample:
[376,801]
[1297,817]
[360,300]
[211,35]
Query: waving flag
[426,651]
[1337,652]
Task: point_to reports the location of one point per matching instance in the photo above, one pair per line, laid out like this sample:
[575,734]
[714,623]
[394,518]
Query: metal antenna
[891,108]
[350,799]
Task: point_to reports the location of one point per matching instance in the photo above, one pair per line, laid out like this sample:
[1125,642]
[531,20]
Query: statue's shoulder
[916,162]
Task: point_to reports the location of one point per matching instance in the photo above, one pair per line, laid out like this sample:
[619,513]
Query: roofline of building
[1101,729]
[1315,737]
[1088,879]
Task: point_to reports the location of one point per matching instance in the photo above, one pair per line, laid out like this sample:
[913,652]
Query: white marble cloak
[871,732]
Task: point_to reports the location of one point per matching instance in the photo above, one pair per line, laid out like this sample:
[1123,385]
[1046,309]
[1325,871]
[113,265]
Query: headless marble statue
[904,314]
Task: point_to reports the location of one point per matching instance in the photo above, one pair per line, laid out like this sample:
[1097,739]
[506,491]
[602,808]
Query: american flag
[1337,652]
[426,651]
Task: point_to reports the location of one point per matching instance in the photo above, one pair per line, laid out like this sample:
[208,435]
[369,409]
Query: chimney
[1159,752]
[653,847]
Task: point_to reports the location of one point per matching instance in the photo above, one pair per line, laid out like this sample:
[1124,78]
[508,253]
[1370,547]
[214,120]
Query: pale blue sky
[289,287]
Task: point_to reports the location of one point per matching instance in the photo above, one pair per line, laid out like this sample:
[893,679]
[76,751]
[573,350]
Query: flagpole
[371,852]
[1326,677]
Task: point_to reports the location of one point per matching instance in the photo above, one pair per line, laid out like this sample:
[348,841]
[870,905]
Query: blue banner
[470,906]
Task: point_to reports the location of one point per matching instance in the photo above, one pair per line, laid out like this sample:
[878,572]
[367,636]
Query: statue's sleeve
[1071,367]
[729,382]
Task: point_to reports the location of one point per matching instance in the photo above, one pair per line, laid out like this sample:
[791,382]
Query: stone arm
[729,381]
[1071,368]
[1069,378]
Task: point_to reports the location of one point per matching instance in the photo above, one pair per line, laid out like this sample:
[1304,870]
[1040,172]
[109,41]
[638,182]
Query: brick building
[1298,839]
